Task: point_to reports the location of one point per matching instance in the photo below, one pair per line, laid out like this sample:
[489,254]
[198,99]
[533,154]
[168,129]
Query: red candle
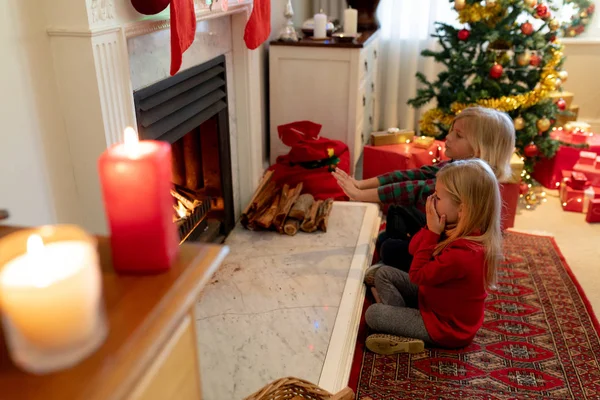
[136,183]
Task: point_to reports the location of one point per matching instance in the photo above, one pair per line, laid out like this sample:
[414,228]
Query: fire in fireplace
[189,111]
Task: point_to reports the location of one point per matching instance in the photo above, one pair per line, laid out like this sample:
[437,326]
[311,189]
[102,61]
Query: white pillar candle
[350,21]
[51,301]
[320,31]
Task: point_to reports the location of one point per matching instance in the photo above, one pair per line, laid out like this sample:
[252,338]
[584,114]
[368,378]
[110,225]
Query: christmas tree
[505,56]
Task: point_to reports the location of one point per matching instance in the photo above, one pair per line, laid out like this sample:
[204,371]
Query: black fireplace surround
[172,108]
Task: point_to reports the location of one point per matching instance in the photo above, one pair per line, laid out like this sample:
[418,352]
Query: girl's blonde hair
[472,184]
[491,133]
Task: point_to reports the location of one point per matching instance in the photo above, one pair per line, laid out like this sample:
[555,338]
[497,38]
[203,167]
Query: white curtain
[406,26]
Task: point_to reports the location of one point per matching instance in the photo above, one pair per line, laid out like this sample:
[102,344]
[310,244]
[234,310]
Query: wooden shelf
[363,41]
[143,313]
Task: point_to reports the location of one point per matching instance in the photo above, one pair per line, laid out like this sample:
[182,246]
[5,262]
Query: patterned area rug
[540,340]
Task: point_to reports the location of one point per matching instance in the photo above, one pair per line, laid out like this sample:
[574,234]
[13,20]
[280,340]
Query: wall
[36,183]
[302,10]
[583,64]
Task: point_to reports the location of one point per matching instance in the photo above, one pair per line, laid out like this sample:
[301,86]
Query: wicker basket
[297,389]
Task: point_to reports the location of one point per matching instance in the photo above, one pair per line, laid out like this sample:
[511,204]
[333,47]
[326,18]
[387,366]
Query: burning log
[187,203]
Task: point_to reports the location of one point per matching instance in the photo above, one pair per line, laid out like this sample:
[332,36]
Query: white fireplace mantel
[103,50]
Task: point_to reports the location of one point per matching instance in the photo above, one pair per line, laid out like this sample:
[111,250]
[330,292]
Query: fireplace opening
[190,112]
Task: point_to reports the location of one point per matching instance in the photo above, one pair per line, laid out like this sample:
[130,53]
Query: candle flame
[131,142]
[35,244]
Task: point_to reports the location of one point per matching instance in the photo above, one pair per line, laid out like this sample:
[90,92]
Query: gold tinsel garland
[546,85]
[476,12]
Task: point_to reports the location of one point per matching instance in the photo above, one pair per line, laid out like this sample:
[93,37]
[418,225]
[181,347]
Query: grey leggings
[398,313]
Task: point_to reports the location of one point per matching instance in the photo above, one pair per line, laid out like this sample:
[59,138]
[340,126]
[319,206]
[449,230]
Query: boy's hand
[434,223]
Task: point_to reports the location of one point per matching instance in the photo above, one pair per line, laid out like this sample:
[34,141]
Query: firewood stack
[285,209]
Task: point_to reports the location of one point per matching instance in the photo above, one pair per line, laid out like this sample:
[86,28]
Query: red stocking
[183,30]
[258,27]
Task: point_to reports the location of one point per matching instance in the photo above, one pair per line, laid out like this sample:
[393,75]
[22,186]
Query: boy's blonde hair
[491,133]
[472,184]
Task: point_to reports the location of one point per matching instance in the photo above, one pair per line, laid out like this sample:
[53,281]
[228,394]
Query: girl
[476,132]
[441,300]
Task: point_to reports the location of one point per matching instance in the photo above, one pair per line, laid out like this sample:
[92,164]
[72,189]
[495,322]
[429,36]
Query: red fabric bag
[311,160]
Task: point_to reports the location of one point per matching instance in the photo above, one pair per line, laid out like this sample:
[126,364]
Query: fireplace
[190,112]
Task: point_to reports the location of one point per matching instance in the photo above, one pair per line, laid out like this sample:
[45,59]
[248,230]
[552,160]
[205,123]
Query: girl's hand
[348,185]
[435,223]
[341,175]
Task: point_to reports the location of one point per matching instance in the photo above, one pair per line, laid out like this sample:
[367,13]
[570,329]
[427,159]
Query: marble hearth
[103,50]
[286,306]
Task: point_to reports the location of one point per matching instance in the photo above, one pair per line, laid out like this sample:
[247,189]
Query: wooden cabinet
[150,352]
[333,84]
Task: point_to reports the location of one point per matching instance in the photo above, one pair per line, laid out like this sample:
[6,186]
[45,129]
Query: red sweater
[451,287]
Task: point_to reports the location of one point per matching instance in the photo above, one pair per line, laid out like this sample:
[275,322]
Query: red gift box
[578,200]
[587,158]
[597,164]
[579,137]
[578,180]
[379,160]
[593,213]
[588,165]
[548,171]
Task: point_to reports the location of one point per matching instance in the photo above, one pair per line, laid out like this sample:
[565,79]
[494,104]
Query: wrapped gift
[379,160]
[548,171]
[579,137]
[593,212]
[562,120]
[423,142]
[587,158]
[578,125]
[578,200]
[597,163]
[516,165]
[392,136]
[578,180]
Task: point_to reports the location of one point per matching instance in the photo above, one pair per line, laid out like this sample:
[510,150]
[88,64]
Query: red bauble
[552,39]
[523,188]
[535,60]
[496,71]
[562,104]
[527,28]
[463,34]
[591,9]
[531,150]
[541,10]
